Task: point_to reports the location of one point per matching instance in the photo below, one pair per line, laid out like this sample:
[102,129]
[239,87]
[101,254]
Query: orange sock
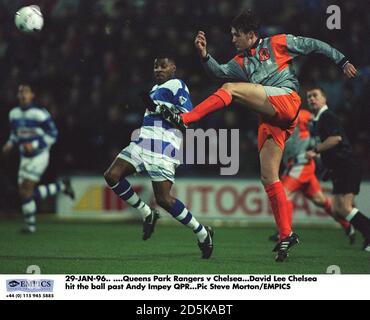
[278,201]
[327,206]
[220,99]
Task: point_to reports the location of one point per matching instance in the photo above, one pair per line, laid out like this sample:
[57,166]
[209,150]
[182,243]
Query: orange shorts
[281,127]
[302,178]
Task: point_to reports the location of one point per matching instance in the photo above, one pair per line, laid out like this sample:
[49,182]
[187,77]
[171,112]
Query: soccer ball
[29,19]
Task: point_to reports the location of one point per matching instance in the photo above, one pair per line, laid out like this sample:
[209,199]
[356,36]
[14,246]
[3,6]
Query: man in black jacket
[337,155]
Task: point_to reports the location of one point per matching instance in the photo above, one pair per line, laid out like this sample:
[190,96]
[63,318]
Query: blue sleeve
[182,99]
[176,93]
[51,131]
[13,138]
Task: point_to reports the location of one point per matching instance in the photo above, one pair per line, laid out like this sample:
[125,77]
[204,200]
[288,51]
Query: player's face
[25,95]
[164,70]
[315,100]
[242,41]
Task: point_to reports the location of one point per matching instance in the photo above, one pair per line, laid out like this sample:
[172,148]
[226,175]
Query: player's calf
[26,190]
[29,215]
[124,190]
[165,201]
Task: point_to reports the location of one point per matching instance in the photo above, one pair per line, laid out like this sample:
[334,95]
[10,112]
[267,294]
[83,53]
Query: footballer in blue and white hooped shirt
[33,132]
[154,149]
[159,142]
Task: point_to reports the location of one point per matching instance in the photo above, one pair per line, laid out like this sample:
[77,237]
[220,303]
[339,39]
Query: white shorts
[33,168]
[159,168]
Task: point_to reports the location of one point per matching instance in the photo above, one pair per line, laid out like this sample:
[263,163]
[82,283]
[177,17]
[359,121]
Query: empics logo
[14,283]
[27,285]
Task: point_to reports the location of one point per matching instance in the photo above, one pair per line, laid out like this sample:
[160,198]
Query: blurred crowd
[94,57]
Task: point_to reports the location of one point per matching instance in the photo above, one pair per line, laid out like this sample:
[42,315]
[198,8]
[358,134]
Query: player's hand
[201,44]
[310,154]
[349,70]
[27,147]
[7,149]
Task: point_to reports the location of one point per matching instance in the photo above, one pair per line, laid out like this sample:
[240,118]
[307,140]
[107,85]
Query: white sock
[351,215]
[29,214]
[193,223]
[137,203]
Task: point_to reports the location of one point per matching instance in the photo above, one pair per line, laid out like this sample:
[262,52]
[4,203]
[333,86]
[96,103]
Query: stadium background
[93,58]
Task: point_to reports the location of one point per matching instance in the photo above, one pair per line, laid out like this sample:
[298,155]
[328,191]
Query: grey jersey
[269,62]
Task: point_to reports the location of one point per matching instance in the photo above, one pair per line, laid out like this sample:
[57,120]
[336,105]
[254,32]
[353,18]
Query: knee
[25,193]
[341,209]
[165,201]
[318,201]
[264,180]
[229,87]
[112,177]
[267,179]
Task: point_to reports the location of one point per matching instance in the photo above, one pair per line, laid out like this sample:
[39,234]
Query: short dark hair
[168,56]
[313,87]
[26,84]
[30,85]
[246,21]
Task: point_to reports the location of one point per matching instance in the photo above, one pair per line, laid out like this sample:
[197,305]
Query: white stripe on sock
[202,234]
[30,219]
[182,215]
[133,199]
[123,193]
[144,209]
[52,189]
[61,185]
[29,212]
[43,191]
[193,223]
[115,186]
[29,207]
[352,214]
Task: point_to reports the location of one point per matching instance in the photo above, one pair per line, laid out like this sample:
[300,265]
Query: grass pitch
[117,248]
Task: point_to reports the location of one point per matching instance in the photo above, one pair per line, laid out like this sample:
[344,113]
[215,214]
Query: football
[29,19]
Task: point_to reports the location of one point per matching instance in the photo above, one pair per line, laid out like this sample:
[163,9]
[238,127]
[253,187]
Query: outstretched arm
[303,46]
[12,141]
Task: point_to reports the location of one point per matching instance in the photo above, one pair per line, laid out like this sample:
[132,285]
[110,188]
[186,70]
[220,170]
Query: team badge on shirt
[263,54]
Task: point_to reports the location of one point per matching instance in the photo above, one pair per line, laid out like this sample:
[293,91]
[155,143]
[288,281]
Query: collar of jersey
[321,111]
[250,52]
[29,106]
